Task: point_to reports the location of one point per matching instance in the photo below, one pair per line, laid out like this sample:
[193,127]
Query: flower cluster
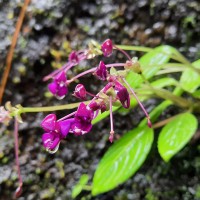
[116,90]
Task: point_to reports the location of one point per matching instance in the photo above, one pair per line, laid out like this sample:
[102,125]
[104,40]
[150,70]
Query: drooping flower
[59,86]
[122,94]
[107,48]
[82,120]
[80,92]
[101,71]
[55,131]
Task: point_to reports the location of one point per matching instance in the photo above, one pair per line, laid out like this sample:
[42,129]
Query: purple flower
[54,131]
[94,105]
[59,86]
[73,57]
[101,71]
[122,94]
[80,92]
[107,48]
[82,120]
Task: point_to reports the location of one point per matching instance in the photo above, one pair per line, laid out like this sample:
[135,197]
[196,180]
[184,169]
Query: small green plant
[149,77]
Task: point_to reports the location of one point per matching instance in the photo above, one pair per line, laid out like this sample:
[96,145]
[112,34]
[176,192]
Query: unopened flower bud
[101,71]
[80,92]
[107,48]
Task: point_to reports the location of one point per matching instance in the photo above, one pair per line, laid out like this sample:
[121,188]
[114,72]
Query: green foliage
[176,134]
[80,186]
[190,79]
[122,160]
[127,155]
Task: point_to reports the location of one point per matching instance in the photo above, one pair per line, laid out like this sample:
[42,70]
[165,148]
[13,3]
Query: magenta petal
[81,127]
[107,48]
[53,87]
[84,113]
[80,92]
[50,141]
[61,77]
[124,98]
[122,94]
[62,91]
[65,126]
[49,123]
[73,57]
[101,71]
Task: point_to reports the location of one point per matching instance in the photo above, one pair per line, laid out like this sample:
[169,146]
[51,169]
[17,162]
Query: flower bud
[101,71]
[80,92]
[107,48]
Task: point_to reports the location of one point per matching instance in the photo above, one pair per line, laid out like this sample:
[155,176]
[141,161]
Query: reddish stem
[144,110]
[12,48]
[19,189]
[111,122]
[124,52]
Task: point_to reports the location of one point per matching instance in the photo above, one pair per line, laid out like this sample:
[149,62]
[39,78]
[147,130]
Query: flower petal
[84,113]
[122,94]
[101,71]
[61,77]
[107,48]
[81,127]
[53,87]
[51,141]
[80,92]
[65,126]
[49,123]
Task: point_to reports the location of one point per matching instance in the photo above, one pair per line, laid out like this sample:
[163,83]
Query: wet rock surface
[64,25]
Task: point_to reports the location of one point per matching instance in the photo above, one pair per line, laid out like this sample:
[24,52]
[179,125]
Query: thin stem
[12,48]
[111,122]
[19,189]
[93,70]
[163,122]
[134,48]
[121,50]
[49,108]
[87,187]
[142,107]
[172,70]
[67,116]
[93,95]
[51,75]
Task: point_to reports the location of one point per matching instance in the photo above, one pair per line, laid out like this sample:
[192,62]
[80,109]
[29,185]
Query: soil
[65,25]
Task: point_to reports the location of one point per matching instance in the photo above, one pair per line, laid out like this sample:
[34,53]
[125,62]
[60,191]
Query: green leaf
[176,134]
[164,82]
[122,159]
[76,190]
[190,79]
[153,61]
[84,179]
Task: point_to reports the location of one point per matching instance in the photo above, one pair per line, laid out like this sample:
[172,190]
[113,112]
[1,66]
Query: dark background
[65,25]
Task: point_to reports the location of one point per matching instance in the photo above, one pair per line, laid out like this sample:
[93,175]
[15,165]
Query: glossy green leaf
[122,159]
[190,79]
[164,82]
[176,134]
[153,61]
